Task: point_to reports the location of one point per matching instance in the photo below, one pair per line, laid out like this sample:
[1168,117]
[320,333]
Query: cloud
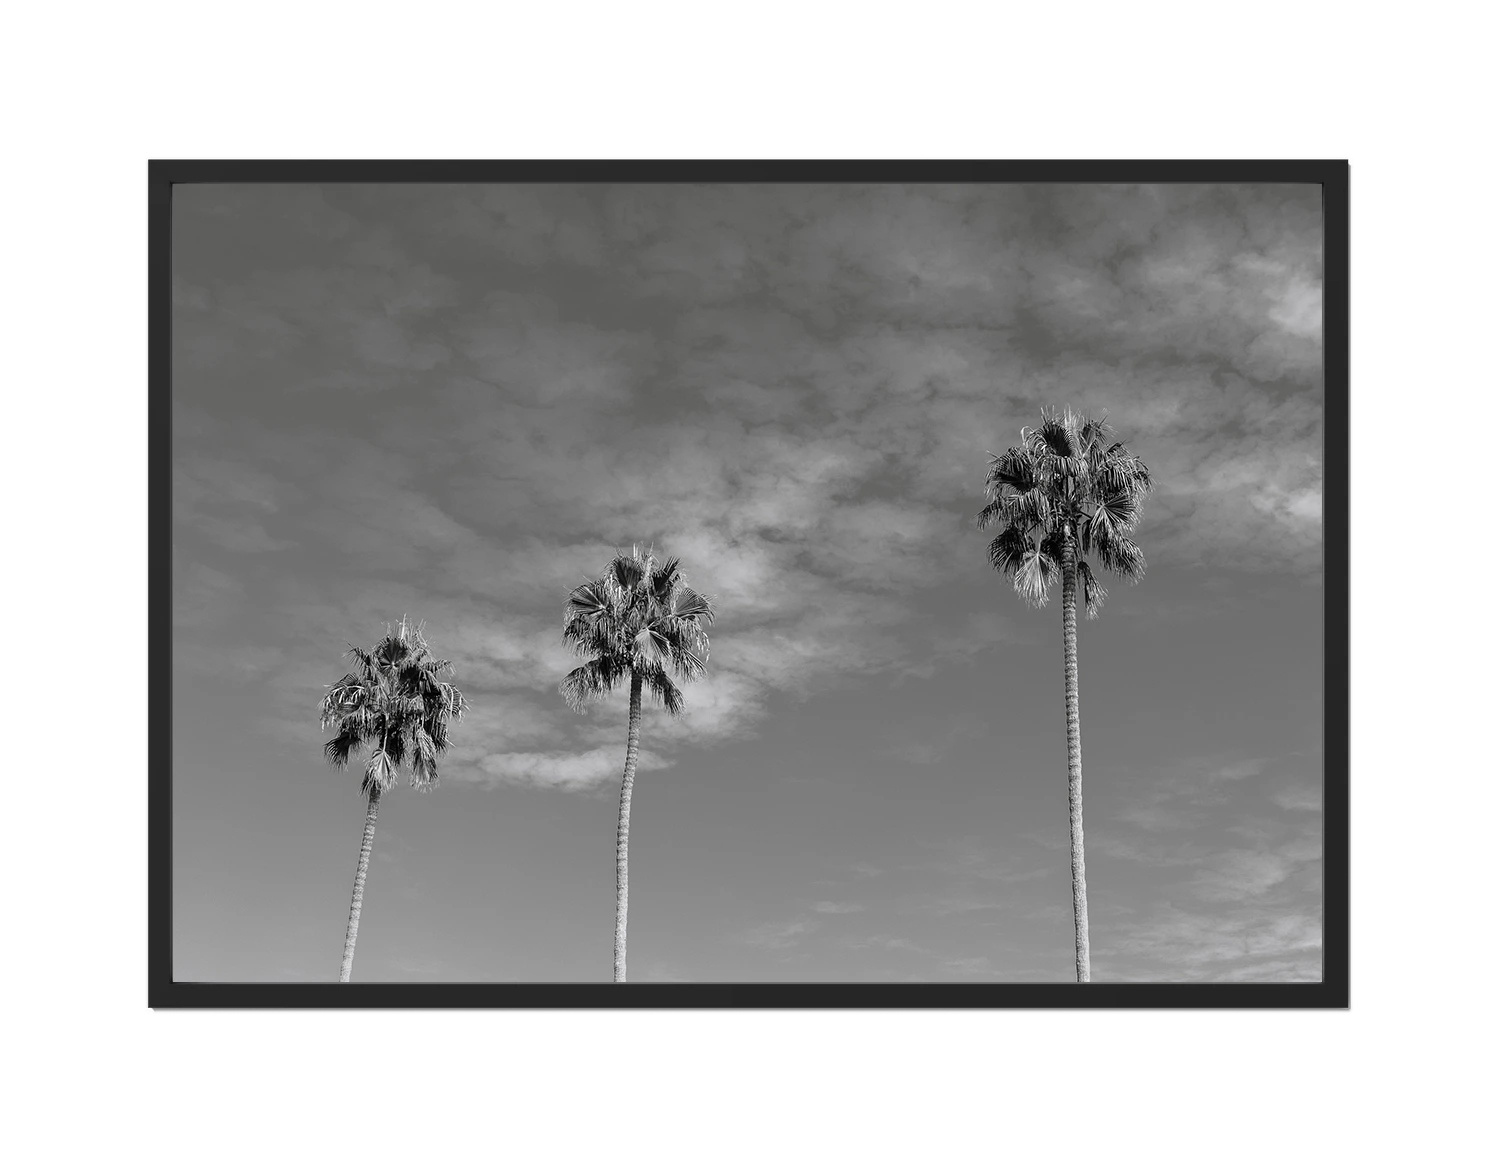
[453,402]
[885,942]
[975,634]
[519,345]
[660,973]
[235,663]
[1198,878]
[1167,943]
[1237,874]
[1299,798]
[777,936]
[202,596]
[837,907]
[569,771]
[972,875]
[1181,796]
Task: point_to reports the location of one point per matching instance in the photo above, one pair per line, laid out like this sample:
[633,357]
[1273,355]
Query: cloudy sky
[453,402]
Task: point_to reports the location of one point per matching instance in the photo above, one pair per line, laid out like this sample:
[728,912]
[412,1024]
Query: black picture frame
[1331,992]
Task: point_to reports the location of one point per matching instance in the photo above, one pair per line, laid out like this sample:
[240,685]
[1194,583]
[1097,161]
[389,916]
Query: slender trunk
[1075,754]
[622,833]
[359,884]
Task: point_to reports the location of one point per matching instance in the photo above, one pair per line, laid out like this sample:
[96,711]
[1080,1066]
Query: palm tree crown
[395,701]
[1067,483]
[639,619]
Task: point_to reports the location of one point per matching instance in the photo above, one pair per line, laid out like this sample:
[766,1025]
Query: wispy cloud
[1183,795]
[566,770]
[1300,798]
[777,936]
[791,388]
[885,942]
[1170,944]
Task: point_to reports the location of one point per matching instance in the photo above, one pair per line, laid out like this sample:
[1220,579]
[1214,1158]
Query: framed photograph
[749,584]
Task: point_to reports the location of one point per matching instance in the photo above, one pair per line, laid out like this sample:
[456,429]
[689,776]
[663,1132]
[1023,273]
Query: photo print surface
[786,503]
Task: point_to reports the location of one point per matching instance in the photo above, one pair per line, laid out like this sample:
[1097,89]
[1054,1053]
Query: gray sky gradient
[452,402]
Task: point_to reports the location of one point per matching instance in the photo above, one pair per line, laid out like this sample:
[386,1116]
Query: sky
[454,402]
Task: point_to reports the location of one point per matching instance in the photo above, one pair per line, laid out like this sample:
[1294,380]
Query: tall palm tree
[394,701]
[641,623]
[1066,491]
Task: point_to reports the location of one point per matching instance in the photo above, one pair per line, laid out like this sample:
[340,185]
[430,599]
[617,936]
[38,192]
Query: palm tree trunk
[358,900]
[622,832]
[1075,754]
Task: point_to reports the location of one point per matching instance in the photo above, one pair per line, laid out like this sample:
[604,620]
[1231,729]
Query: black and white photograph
[792,585]
[868,586]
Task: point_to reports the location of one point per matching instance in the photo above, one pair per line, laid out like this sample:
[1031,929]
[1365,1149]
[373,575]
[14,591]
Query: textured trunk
[359,886]
[622,832]
[1075,754]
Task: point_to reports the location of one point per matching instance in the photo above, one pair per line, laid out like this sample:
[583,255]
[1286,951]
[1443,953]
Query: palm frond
[1032,576]
[338,749]
[989,513]
[588,600]
[366,662]
[449,707]
[409,647]
[424,760]
[380,773]
[1140,475]
[1093,592]
[419,678]
[588,635]
[1114,516]
[1007,549]
[1029,509]
[591,681]
[650,645]
[628,570]
[689,603]
[347,681]
[343,697]
[688,650]
[392,650]
[1015,469]
[393,743]
[1056,436]
[435,726]
[1054,550]
[692,632]
[1094,433]
[1122,477]
[664,579]
[1121,556]
[658,683]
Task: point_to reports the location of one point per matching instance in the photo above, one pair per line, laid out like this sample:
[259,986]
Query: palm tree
[639,622]
[1067,490]
[395,701]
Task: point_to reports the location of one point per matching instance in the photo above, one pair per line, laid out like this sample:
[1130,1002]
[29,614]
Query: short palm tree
[641,623]
[396,703]
[1067,491]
